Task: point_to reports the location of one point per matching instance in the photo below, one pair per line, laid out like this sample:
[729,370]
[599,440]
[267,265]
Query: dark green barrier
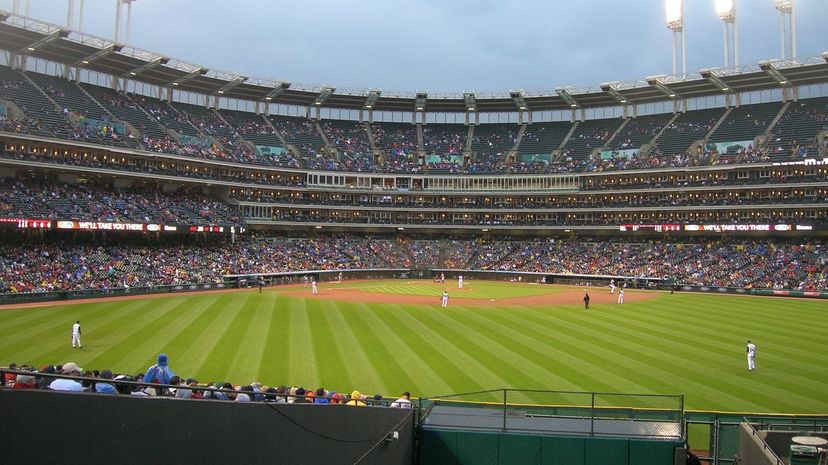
[38,427]
[468,448]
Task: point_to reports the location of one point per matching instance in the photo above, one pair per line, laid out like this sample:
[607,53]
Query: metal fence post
[504,410]
[592,416]
[716,440]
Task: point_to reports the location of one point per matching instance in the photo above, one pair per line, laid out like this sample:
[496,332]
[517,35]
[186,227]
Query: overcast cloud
[442,45]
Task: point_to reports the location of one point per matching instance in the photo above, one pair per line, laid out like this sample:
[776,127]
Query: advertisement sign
[73,225]
[650,227]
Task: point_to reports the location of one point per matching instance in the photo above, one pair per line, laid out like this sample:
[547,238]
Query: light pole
[787,27]
[726,9]
[675,23]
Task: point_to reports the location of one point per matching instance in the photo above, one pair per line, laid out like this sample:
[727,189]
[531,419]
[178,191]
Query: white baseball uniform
[444,300]
[751,356]
[314,290]
[460,282]
[76,334]
[621,296]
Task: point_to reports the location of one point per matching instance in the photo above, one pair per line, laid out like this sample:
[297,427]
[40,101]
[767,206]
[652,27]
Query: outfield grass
[471,289]
[672,344]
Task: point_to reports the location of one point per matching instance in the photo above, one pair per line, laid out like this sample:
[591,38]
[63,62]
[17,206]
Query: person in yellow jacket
[356,399]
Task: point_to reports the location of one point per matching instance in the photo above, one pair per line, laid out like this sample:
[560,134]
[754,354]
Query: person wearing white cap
[60,384]
[76,333]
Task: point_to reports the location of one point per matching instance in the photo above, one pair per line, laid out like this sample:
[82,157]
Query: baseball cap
[71,366]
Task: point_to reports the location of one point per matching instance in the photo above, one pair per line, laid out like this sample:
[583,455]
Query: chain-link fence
[560,412]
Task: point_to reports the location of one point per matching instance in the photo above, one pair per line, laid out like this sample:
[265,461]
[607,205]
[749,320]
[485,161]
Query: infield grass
[682,343]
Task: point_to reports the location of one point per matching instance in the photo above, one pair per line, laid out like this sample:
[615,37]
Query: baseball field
[391,336]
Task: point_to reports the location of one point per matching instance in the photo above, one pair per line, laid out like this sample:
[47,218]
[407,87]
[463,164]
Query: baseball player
[751,355]
[444,300]
[314,290]
[620,296]
[612,286]
[460,282]
[76,334]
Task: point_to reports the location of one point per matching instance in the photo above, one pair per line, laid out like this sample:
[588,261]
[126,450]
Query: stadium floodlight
[147,66]
[281,87]
[189,76]
[787,26]
[726,10]
[232,85]
[563,93]
[371,99]
[420,101]
[611,89]
[58,34]
[519,100]
[675,23]
[324,95]
[655,81]
[102,53]
[715,80]
[772,71]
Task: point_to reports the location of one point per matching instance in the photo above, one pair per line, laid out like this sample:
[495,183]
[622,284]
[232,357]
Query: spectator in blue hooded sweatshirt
[160,372]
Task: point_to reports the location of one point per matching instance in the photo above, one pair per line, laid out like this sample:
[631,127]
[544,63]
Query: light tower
[726,9]
[787,27]
[675,23]
[118,7]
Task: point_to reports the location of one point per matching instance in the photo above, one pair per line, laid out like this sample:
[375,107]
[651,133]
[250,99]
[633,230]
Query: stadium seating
[794,135]
[746,122]
[687,128]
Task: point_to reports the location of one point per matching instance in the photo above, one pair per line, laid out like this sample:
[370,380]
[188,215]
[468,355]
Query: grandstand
[179,178]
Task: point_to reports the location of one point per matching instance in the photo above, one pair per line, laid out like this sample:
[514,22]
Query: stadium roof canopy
[27,36]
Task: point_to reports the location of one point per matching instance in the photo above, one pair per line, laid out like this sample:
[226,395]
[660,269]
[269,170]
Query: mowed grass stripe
[537,347]
[331,355]
[189,349]
[350,334]
[403,369]
[579,337]
[455,325]
[658,364]
[47,328]
[273,369]
[224,350]
[153,337]
[56,347]
[720,344]
[579,364]
[454,346]
[424,342]
[302,364]
[250,349]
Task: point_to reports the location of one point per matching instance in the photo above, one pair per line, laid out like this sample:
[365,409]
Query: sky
[442,45]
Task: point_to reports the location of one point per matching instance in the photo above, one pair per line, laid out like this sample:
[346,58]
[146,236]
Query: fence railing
[559,412]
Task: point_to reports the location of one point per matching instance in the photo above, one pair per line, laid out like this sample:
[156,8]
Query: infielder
[76,334]
[751,355]
[314,290]
[444,300]
[620,296]
[612,286]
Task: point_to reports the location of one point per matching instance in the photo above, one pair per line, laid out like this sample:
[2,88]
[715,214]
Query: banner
[727,147]
[192,140]
[73,225]
[437,159]
[623,153]
[544,158]
[268,150]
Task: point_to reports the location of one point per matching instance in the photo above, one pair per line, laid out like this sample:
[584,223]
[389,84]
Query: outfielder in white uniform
[444,300]
[76,333]
[460,282]
[620,296]
[751,355]
[314,290]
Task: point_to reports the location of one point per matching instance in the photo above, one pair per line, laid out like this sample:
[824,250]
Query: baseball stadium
[629,273]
